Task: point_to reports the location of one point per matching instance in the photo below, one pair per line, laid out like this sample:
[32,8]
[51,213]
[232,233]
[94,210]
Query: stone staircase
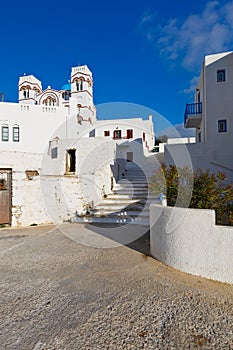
[129,201]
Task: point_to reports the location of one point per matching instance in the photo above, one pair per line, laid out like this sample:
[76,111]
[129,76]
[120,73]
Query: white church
[57,158]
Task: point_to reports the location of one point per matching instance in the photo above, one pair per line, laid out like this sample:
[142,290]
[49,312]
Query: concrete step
[123,221]
[120,200]
[136,178]
[129,201]
[123,183]
[126,203]
[124,213]
[118,208]
[131,195]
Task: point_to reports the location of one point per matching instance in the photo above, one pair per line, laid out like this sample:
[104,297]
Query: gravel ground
[58,294]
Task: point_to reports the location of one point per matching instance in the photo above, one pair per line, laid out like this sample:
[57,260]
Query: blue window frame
[221,75]
[222,125]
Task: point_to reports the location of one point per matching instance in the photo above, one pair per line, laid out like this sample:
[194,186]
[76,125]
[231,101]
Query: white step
[123,221]
[123,184]
[131,195]
[129,201]
[123,213]
[119,200]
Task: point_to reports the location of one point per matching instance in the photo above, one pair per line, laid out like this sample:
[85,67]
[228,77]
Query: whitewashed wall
[27,202]
[199,156]
[189,240]
[37,124]
[138,125]
[67,194]
[52,196]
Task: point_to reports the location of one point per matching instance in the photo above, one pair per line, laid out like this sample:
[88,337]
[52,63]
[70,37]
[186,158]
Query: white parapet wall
[188,240]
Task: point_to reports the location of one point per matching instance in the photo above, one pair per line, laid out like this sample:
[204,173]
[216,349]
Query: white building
[53,149]
[211,115]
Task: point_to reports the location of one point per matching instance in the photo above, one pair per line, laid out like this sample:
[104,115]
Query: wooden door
[5,196]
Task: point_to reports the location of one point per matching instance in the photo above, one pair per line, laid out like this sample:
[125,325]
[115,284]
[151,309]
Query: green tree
[201,189]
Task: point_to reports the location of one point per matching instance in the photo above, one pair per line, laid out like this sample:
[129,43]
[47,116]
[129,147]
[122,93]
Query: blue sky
[143,52]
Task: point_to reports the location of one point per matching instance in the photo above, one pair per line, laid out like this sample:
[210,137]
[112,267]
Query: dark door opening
[71,161]
[129,156]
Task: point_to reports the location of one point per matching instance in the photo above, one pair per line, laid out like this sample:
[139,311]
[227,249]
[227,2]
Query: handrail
[192,108]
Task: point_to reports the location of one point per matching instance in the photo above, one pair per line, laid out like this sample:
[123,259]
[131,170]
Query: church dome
[66,87]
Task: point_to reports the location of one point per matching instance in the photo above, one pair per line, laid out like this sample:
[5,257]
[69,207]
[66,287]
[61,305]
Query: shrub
[201,189]
[176,183]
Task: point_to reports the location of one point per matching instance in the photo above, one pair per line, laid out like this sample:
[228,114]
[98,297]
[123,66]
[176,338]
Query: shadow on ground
[142,234]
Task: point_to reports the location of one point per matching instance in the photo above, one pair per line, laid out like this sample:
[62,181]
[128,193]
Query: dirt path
[59,294]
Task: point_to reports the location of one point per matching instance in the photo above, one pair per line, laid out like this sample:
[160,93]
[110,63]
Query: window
[79,84]
[222,125]
[49,101]
[5,133]
[117,134]
[26,93]
[221,75]
[15,134]
[54,152]
[106,133]
[92,133]
[66,95]
[129,134]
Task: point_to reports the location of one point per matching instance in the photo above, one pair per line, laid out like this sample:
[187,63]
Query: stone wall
[42,195]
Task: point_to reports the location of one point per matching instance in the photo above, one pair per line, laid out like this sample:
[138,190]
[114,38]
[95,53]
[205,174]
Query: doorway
[71,161]
[5,196]
[129,156]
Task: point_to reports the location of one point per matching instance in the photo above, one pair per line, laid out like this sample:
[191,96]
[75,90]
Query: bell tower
[29,87]
[81,101]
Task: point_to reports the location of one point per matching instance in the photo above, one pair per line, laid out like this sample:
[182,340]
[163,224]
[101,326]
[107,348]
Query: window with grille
[221,75]
[5,133]
[15,133]
[222,125]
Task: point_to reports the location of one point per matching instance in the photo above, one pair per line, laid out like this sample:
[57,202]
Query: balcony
[193,115]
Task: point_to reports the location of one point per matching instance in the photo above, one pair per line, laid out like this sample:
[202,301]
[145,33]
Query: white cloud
[147,17]
[192,86]
[188,41]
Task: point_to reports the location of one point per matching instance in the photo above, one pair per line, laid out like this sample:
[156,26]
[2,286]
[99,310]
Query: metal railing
[192,109]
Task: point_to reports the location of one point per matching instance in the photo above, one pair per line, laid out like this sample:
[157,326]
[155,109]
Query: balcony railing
[192,109]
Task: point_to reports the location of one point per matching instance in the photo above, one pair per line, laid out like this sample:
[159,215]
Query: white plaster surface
[27,203]
[52,196]
[213,149]
[189,240]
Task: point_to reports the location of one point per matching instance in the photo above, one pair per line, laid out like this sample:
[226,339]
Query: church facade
[55,150]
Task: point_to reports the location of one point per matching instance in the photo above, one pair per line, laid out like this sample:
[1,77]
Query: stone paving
[58,294]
